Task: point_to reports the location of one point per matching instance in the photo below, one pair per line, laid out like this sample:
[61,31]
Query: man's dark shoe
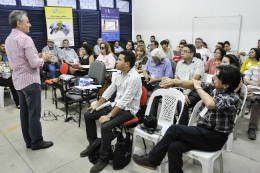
[143,161]
[251,134]
[84,153]
[45,144]
[99,166]
[28,146]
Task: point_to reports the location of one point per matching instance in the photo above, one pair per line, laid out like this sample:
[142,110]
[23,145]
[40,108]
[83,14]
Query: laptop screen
[84,80]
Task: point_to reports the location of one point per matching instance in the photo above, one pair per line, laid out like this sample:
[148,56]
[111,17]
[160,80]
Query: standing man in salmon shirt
[26,63]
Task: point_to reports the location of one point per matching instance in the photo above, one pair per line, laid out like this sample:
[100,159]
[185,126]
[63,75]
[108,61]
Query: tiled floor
[69,141]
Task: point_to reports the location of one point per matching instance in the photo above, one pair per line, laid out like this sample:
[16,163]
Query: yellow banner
[59,21]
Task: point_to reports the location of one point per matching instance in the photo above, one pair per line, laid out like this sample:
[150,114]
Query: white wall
[172,19]
[52,2]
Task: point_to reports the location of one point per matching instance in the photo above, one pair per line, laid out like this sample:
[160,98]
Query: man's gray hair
[200,39]
[16,15]
[159,53]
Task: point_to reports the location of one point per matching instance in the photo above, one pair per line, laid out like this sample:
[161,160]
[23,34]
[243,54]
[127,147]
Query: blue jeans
[30,114]
[52,69]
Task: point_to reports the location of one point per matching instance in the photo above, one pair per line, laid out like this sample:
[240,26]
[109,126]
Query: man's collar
[193,59]
[129,72]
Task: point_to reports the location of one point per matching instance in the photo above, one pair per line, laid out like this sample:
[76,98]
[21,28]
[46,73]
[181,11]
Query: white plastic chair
[170,98]
[2,90]
[243,107]
[207,158]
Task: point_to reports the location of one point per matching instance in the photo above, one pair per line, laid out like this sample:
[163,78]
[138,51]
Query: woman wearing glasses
[130,46]
[106,55]
[213,63]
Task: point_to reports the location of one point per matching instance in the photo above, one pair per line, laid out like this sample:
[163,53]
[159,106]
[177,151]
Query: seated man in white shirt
[128,88]
[205,53]
[96,48]
[252,77]
[228,49]
[247,52]
[69,55]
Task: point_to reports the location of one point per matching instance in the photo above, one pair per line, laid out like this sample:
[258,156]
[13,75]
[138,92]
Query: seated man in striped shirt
[69,55]
[128,88]
[214,122]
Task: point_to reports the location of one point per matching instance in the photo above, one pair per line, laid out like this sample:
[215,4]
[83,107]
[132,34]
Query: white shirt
[129,91]
[204,53]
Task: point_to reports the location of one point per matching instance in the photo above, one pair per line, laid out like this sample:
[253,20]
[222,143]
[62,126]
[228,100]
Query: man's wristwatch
[109,115]
[199,87]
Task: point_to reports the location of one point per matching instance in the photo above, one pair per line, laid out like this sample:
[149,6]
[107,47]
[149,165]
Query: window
[7,2]
[106,3]
[122,5]
[33,3]
[88,4]
[67,3]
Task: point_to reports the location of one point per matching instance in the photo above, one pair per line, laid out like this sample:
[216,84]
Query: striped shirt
[129,91]
[69,55]
[24,59]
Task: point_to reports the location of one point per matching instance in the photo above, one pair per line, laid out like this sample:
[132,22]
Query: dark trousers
[106,128]
[30,114]
[179,139]
[154,107]
[194,99]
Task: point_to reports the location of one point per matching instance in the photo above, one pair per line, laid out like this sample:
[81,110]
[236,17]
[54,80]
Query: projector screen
[217,29]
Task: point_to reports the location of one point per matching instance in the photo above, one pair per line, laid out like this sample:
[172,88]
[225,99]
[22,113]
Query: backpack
[123,150]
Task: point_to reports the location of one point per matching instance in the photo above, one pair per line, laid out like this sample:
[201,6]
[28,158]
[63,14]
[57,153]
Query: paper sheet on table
[254,87]
[86,87]
[85,66]
[209,77]
[112,70]
[258,93]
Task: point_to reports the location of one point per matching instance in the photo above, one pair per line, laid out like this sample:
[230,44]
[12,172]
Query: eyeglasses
[198,42]
[184,51]
[216,77]
[102,47]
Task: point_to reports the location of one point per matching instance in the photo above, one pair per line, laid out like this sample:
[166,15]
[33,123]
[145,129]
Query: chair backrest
[173,63]
[198,55]
[97,70]
[170,98]
[176,52]
[143,97]
[244,91]
[64,68]
[194,113]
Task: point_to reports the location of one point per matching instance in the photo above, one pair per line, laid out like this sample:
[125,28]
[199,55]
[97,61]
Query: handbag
[150,121]
[123,150]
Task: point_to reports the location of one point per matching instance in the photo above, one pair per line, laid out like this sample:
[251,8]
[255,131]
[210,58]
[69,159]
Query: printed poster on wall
[59,21]
[110,24]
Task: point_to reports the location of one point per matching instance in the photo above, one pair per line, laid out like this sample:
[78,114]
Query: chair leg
[207,166]
[229,143]
[221,163]
[80,103]
[2,96]
[235,132]
[46,91]
[52,95]
[133,144]
[66,106]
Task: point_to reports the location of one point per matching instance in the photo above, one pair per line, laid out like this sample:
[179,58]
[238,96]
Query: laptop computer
[82,81]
